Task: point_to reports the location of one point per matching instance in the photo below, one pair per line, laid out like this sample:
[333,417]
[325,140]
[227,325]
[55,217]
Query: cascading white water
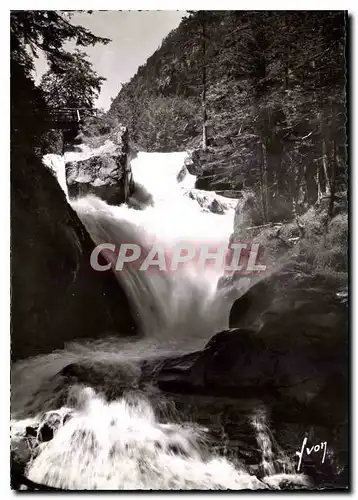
[122,444]
[56,164]
[180,308]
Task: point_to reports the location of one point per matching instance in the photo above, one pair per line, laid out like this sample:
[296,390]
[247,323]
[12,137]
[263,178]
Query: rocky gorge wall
[56,296]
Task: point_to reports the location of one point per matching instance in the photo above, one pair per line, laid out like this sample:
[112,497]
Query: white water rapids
[174,307]
[123,444]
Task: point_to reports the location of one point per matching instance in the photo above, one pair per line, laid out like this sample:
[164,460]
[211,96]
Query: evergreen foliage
[45,31]
[76,86]
[272,99]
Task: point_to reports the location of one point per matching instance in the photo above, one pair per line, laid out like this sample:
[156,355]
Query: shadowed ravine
[115,428]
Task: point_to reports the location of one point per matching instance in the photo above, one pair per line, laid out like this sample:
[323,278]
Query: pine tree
[32,32]
[77,86]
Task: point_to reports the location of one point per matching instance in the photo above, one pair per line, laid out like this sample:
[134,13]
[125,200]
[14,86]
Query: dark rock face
[215,172]
[303,322]
[216,168]
[110,379]
[140,198]
[25,445]
[56,295]
[216,207]
[106,173]
[247,213]
[289,292]
[288,340]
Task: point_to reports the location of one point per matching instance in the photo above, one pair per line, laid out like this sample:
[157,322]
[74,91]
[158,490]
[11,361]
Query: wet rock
[140,198]
[110,379]
[291,292]
[227,353]
[106,172]
[26,441]
[248,213]
[296,347]
[50,422]
[288,343]
[31,431]
[46,433]
[212,202]
[216,207]
[193,161]
[21,453]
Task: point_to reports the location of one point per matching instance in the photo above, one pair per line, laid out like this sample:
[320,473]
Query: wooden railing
[62,118]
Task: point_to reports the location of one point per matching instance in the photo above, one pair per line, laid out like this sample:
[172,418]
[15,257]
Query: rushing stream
[142,439]
[173,306]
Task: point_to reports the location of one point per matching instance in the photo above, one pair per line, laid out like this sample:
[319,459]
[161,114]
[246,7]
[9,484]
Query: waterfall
[122,443]
[182,307]
[56,164]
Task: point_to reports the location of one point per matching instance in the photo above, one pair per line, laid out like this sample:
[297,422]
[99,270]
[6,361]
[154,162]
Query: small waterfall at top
[57,166]
[123,443]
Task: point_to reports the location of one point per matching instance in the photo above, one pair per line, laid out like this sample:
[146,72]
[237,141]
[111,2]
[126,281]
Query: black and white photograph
[179,216]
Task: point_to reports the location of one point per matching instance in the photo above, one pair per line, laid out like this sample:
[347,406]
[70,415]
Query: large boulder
[288,340]
[104,171]
[56,295]
[289,291]
[248,213]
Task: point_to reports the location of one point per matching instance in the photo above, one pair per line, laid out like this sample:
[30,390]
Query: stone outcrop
[56,295]
[212,202]
[27,441]
[104,171]
[216,170]
[288,339]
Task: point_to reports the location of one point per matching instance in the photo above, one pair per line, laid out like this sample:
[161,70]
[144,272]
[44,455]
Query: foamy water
[174,306]
[122,444]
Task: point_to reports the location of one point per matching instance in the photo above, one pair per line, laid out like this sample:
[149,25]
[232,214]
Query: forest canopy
[264,97]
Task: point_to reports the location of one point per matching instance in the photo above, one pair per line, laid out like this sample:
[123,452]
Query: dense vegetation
[261,94]
[70,80]
[76,86]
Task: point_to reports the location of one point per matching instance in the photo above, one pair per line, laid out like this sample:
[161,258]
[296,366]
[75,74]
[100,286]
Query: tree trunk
[286,75]
[317,179]
[325,168]
[333,182]
[324,156]
[263,183]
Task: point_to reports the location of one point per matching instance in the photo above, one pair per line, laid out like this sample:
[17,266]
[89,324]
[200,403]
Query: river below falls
[137,437]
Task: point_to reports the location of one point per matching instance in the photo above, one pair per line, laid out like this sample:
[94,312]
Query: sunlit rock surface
[104,171]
